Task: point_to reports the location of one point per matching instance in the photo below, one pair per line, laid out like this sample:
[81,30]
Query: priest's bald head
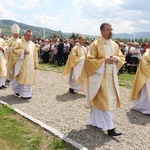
[81,39]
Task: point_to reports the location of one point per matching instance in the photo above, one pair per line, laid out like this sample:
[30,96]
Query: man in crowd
[3,70]
[66,50]
[74,65]
[46,50]
[140,93]
[60,48]
[25,65]
[99,74]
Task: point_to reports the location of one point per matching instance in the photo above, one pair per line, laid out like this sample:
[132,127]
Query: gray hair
[28,30]
[81,36]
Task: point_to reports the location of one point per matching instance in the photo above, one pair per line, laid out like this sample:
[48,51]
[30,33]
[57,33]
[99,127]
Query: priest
[11,43]
[100,80]
[24,59]
[74,66]
[140,93]
[3,69]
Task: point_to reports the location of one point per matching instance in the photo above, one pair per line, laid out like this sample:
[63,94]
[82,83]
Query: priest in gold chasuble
[25,60]
[3,69]
[140,93]
[74,66]
[100,80]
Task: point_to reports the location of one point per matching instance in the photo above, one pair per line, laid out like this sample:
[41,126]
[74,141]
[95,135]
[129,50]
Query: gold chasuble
[11,44]
[76,57]
[26,64]
[3,70]
[100,80]
[142,75]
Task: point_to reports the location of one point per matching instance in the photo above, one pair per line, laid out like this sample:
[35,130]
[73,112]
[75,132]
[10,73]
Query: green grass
[56,145]
[126,80]
[18,133]
[51,67]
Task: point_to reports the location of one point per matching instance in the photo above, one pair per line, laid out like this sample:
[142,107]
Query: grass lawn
[18,133]
[51,67]
[126,80]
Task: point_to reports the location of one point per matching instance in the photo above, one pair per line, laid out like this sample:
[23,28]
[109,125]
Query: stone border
[48,128]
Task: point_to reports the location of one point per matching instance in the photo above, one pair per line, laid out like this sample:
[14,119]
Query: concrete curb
[48,128]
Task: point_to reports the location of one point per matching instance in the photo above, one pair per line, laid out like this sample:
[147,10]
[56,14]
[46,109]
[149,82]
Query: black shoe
[26,97]
[71,91]
[4,86]
[17,94]
[1,88]
[113,132]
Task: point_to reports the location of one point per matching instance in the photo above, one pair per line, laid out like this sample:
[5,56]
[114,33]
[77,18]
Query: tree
[55,35]
[146,40]
[72,36]
[140,40]
[87,39]
[76,36]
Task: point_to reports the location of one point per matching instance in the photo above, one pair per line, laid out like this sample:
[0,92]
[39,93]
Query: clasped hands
[111,60]
[26,52]
[1,48]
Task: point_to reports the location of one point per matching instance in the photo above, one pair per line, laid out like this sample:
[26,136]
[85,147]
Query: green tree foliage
[72,36]
[55,35]
[76,36]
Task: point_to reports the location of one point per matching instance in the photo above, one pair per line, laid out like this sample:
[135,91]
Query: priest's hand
[26,52]
[1,48]
[110,60]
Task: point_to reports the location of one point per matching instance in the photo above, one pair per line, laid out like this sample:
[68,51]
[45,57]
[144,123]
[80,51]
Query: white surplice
[100,118]
[142,104]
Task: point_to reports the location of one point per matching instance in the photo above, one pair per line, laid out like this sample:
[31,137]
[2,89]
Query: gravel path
[52,104]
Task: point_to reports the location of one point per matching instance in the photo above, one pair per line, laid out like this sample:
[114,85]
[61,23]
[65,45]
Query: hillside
[138,35]
[38,31]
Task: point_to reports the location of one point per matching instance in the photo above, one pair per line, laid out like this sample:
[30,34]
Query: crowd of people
[50,47]
[56,50]
[90,67]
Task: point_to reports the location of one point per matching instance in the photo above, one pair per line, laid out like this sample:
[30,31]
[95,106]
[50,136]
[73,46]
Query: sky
[80,16]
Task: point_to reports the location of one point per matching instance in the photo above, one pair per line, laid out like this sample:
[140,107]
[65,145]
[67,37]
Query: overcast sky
[80,16]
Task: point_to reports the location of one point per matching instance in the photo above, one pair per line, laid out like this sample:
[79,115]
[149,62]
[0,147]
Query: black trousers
[134,60]
[65,56]
[45,57]
[59,60]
